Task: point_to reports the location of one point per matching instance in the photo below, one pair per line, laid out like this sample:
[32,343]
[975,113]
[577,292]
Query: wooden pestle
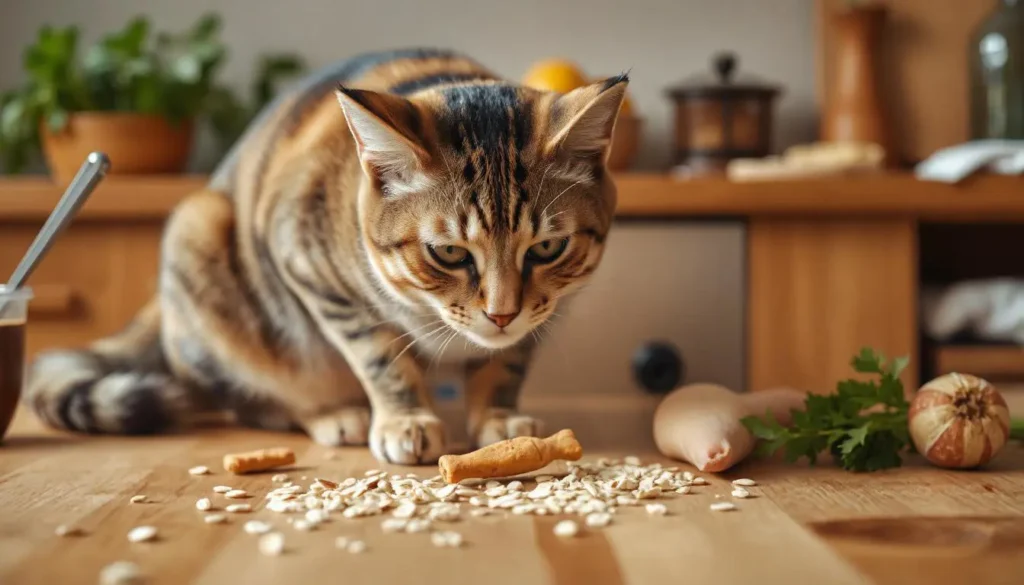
[511,457]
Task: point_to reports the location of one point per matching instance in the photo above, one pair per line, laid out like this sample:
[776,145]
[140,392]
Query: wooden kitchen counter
[813,526]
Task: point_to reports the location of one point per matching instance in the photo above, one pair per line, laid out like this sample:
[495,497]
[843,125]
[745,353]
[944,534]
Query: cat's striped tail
[119,385]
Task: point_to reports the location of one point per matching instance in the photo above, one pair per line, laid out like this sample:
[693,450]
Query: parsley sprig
[863,425]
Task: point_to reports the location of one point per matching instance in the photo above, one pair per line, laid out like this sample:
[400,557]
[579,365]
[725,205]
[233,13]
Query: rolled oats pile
[407,504]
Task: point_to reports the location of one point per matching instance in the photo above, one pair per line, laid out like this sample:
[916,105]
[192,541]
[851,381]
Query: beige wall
[662,41]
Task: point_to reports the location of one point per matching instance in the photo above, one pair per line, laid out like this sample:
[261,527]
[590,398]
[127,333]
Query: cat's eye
[547,251]
[450,256]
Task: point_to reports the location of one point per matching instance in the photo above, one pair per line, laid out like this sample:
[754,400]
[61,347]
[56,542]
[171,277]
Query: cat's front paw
[499,424]
[408,438]
[345,426]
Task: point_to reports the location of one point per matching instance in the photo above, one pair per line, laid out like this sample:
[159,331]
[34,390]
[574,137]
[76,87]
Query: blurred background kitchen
[798,178]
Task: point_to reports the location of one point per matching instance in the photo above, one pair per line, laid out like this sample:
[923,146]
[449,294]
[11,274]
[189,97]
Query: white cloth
[956,163]
[992,310]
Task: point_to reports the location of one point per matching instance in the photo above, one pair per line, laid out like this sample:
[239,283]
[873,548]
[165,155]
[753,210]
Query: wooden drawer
[92,281]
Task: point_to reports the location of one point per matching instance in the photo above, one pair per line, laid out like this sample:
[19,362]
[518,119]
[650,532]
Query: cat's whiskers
[418,339]
[440,350]
[413,331]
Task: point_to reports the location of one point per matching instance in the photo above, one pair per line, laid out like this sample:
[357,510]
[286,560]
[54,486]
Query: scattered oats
[312,502]
[303,525]
[121,573]
[238,508]
[370,473]
[279,478]
[326,483]
[393,525]
[316,516]
[222,489]
[204,504]
[142,534]
[683,490]
[417,525]
[722,506]
[598,519]
[544,478]
[492,484]
[236,494]
[699,481]
[411,476]
[446,492]
[356,547]
[744,481]
[341,542]
[740,493]
[445,513]
[687,476]
[138,499]
[479,512]
[626,501]
[256,527]
[405,510]
[65,530]
[446,539]
[495,492]
[215,518]
[566,529]
[656,509]
[522,509]
[632,460]
[199,470]
[515,486]
[272,544]
[477,501]
[541,491]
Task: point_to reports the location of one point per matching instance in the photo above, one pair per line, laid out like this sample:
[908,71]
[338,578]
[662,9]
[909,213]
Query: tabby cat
[338,250]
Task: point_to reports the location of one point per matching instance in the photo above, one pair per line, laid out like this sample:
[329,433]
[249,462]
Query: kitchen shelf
[994,361]
[987,198]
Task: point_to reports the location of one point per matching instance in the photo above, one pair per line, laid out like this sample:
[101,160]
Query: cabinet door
[659,281]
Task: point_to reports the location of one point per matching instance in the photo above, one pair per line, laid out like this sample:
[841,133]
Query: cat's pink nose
[502,320]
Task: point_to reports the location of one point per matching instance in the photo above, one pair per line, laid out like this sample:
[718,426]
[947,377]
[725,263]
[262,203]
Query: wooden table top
[817,526]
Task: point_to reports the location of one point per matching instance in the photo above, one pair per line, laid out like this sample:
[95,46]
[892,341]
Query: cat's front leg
[403,428]
[492,397]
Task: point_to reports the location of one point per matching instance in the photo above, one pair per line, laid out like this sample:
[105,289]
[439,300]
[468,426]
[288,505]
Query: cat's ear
[584,119]
[383,128]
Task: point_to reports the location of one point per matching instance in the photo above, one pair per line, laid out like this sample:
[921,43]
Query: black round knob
[658,367]
[725,65]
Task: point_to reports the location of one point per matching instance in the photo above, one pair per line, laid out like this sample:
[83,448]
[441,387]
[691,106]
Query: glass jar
[997,74]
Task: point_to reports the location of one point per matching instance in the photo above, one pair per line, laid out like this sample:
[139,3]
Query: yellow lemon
[554,75]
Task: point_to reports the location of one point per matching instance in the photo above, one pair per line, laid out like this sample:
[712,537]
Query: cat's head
[485,202]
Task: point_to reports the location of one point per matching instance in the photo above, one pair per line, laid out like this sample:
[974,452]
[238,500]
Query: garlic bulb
[959,421]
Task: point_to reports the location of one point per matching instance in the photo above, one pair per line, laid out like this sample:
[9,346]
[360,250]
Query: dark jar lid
[723,83]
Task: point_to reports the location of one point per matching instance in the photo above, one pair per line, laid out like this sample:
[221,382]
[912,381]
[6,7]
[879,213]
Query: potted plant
[134,95]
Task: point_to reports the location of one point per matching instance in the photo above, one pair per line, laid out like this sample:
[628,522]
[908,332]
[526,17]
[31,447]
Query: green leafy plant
[863,425]
[229,116]
[130,70]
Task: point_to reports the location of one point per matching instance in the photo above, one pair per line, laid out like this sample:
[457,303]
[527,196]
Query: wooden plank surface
[806,525]
[980,199]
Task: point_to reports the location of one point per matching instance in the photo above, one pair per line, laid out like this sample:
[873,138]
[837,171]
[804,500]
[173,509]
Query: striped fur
[337,251]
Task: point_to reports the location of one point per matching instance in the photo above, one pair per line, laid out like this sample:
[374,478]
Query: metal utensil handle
[88,177]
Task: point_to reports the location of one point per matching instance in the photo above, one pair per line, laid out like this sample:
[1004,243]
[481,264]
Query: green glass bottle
[997,74]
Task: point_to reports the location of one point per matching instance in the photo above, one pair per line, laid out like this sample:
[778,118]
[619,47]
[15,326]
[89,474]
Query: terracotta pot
[855,112]
[137,144]
[625,143]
